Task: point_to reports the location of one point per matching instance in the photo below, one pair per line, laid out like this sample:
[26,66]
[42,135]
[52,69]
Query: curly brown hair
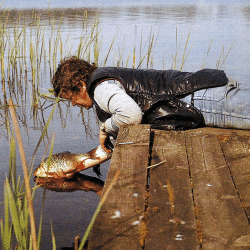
[69,74]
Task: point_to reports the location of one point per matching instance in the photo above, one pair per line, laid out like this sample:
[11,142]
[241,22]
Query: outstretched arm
[113,99]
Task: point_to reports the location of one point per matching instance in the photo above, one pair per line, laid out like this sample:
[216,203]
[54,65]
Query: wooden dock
[177,190]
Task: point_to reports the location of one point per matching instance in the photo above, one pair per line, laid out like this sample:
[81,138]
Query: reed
[148,54]
[185,52]
[53,239]
[150,48]
[204,60]
[18,205]
[30,40]
[117,60]
[109,50]
[179,53]
[23,51]
[6,226]
[223,56]
[16,220]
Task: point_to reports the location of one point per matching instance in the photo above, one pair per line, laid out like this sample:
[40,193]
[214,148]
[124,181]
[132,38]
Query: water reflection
[74,17]
[78,182]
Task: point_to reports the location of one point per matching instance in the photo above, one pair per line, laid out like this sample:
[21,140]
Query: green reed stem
[222,58]
[26,175]
[53,238]
[110,47]
[12,164]
[18,226]
[45,129]
[184,55]
[43,202]
[6,228]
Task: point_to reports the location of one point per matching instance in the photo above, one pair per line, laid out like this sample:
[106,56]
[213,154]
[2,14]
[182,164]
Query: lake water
[206,32]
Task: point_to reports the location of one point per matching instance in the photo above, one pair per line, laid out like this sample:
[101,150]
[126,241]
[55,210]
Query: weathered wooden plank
[118,224]
[221,217]
[171,218]
[236,149]
[221,132]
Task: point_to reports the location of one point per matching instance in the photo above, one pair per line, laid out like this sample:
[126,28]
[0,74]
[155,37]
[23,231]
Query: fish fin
[97,170]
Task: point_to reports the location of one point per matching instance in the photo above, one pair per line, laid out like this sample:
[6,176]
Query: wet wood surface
[171,218]
[177,190]
[119,222]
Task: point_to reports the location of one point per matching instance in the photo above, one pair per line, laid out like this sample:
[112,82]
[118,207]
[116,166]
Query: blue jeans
[224,107]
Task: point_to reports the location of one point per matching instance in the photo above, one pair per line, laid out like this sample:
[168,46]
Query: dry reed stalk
[26,174]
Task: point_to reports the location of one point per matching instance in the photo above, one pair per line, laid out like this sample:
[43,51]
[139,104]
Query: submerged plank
[118,225]
[171,218]
[221,218]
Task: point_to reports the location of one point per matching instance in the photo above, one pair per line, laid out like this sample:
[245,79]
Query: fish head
[40,171]
[46,167]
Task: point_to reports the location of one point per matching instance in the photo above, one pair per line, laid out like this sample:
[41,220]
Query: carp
[66,164]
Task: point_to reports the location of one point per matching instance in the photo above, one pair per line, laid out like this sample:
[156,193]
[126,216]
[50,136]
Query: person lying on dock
[166,99]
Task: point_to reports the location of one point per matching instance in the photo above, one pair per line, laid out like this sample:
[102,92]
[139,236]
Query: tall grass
[18,205]
[33,45]
[179,53]
[29,48]
[14,212]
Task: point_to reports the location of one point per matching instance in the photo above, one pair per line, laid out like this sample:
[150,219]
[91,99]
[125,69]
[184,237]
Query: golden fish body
[65,165]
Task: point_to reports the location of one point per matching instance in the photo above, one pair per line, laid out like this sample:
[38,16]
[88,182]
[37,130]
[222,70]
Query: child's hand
[103,136]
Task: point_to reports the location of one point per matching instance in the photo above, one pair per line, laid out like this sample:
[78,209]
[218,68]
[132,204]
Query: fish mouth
[40,172]
[37,172]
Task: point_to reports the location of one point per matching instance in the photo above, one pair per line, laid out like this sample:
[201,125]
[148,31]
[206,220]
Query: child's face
[81,99]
